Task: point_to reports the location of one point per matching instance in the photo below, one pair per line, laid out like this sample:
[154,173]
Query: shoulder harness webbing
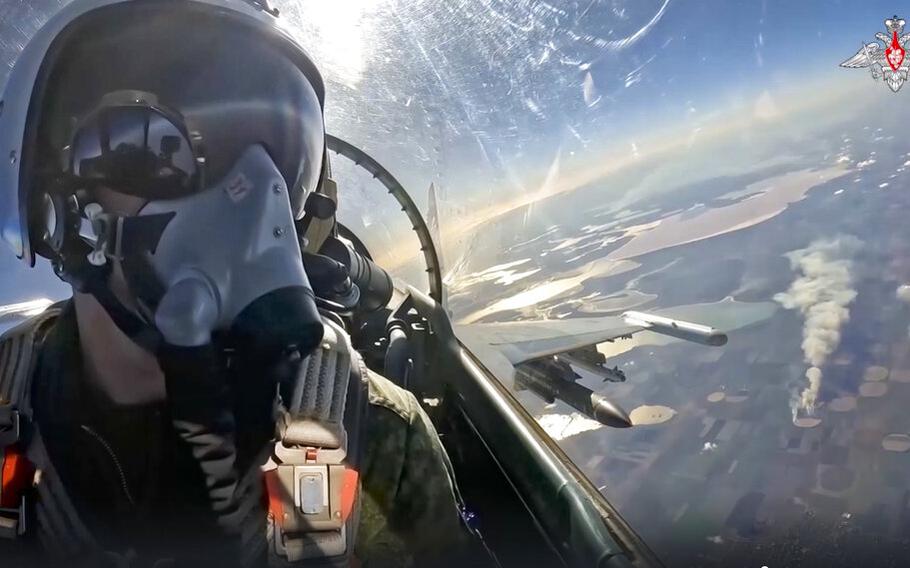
[312,476]
[23,458]
[17,361]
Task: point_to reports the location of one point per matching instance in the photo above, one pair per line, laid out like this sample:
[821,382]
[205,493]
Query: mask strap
[134,327]
[90,277]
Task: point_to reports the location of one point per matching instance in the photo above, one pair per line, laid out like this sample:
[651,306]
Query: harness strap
[17,363]
[312,478]
[18,348]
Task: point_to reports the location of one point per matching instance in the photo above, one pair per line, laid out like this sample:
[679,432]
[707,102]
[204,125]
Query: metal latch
[12,522]
[315,526]
[311,487]
[9,426]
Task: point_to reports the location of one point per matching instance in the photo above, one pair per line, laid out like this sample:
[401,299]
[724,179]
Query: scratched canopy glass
[704,160]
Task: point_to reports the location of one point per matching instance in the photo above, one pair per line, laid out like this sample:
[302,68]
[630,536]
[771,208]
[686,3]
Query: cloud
[562,426]
[822,293]
[765,107]
[903,292]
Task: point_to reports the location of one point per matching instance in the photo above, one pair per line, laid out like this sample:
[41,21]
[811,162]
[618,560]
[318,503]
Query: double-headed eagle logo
[887,57]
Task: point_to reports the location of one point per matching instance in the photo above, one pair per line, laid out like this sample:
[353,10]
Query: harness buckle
[315,501]
[10,426]
[15,473]
[311,482]
[12,521]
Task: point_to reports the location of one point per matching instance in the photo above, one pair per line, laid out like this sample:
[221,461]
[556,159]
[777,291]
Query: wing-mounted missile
[592,361]
[553,378]
[543,356]
[677,328]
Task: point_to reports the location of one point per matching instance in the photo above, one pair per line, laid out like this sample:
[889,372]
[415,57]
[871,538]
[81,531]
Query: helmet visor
[137,147]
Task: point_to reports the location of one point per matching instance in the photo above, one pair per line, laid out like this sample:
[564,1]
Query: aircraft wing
[528,340]
[503,345]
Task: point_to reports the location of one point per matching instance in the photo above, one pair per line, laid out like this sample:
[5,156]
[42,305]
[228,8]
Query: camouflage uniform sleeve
[410,513]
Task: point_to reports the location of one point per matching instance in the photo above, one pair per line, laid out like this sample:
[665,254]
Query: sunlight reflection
[339,34]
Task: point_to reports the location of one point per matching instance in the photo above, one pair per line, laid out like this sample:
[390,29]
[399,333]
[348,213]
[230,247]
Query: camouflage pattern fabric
[409,515]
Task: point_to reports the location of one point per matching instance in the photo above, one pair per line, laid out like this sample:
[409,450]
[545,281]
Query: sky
[501,89]
[489,99]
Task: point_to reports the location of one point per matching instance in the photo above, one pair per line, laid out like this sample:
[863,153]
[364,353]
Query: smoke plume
[822,293]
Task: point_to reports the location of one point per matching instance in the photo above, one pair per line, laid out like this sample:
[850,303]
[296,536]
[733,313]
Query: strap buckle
[12,519]
[12,522]
[313,484]
[10,426]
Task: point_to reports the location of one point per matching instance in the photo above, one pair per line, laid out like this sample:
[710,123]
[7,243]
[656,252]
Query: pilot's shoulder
[383,393]
[18,354]
[407,476]
[403,447]
[34,326]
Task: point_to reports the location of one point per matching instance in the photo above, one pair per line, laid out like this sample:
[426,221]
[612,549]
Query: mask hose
[201,414]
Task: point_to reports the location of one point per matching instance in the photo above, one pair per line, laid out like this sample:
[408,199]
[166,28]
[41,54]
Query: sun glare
[338,35]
